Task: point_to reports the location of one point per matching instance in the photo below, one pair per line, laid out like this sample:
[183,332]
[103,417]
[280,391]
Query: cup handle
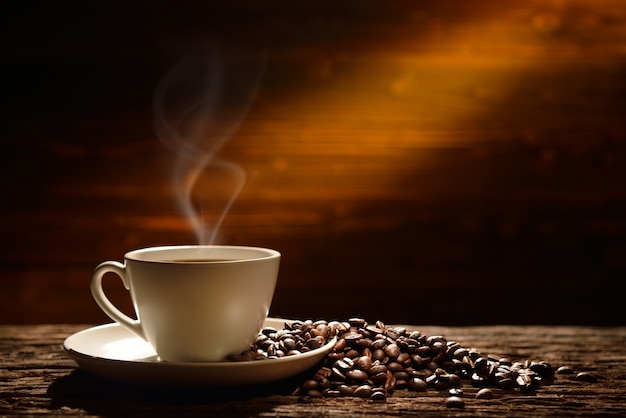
[105,304]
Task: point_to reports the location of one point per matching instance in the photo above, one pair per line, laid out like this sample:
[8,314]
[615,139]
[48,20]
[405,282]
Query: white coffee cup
[196,303]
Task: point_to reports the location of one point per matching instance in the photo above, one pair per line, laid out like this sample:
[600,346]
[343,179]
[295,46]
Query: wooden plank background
[416,162]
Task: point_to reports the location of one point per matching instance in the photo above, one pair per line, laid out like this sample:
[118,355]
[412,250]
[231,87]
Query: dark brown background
[421,162]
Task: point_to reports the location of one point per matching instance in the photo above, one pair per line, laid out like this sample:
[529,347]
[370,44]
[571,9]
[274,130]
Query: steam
[198,106]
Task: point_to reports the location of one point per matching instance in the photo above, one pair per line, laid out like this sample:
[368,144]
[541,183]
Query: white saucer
[113,352]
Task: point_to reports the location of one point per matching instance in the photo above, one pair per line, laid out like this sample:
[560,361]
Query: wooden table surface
[37,378]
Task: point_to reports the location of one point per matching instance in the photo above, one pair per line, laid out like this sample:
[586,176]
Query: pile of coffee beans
[296,338]
[373,361]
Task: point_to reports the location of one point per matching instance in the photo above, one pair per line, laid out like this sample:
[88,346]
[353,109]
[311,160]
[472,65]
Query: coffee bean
[310,384]
[564,370]
[416,361]
[586,377]
[267,331]
[314,393]
[378,344]
[333,393]
[455,392]
[416,384]
[478,380]
[485,393]
[455,402]
[356,375]
[364,391]
[524,382]
[378,396]
[401,384]
[461,352]
[352,338]
[357,322]
[364,363]
[395,367]
[379,378]
[338,374]
[506,383]
[346,390]
[392,351]
[454,380]
[379,354]
[401,375]
[441,385]
[323,382]
[404,359]
[315,342]
[344,364]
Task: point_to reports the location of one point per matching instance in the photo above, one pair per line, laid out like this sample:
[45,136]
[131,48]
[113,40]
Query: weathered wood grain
[38,379]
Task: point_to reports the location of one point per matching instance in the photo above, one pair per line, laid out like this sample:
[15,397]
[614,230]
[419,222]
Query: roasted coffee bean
[404,359]
[378,344]
[431,380]
[363,343]
[524,382]
[481,364]
[356,375]
[401,375]
[455,392]
[505,361]
[267,331]
[431,365]
[441,385]
[364,363]
[378,396]
[323,382]
[390,384]
[392,351]
[352,338]
[506,383]
[357,322]
[314,393]
[395,367]
[379,378]
[332,393]
[454,380]
[417,361]
[478,380]
[542,368]
[564,370]
[461,352]
[333,356]
[310,384]
[363,391]
[423,350]
[377,368]
[401,384]
[315,342]
[379,354]
[352,354]
[346,390]
[438,346]
[586,377]
[485,393]
[416,384]
[338,374]
[455,402]
[344,364]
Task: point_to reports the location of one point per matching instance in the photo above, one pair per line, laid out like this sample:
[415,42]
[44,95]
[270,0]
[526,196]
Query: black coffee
[199,260]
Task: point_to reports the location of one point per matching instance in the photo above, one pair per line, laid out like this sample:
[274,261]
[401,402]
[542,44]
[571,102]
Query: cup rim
[262,254]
